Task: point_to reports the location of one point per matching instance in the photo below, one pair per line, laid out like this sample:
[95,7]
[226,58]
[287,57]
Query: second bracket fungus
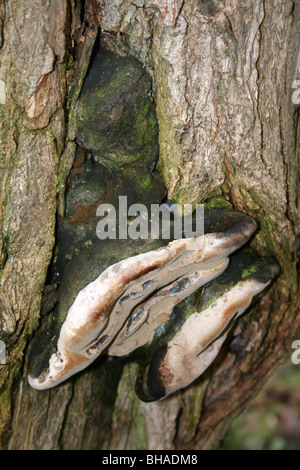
[197,343]
[120,311]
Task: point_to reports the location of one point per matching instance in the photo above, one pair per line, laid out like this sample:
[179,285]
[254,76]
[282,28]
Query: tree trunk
[224,77]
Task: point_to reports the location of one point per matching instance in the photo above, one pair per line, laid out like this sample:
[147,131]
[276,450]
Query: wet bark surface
[228,132]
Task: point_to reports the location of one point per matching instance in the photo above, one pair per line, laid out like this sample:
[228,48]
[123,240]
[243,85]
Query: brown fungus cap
[177,363]
[119,311]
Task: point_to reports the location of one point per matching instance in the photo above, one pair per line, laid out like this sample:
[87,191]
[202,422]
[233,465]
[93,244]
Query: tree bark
[223,75]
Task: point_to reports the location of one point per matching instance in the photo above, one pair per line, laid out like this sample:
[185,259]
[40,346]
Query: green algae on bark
[115,115]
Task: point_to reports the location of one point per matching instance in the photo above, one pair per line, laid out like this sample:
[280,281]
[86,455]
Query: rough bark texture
[228,130]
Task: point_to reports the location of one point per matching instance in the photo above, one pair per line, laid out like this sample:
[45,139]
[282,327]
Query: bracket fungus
[121,311]
[177,363]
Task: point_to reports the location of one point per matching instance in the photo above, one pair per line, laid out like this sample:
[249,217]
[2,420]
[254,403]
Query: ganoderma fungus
[119,311]
[180,361]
